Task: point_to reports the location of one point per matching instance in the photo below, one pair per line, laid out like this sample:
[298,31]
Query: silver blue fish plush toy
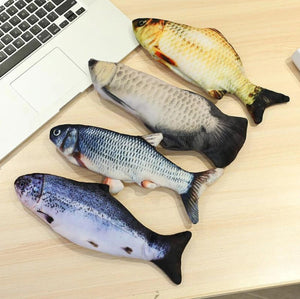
[187,120]
[86,214]
[128,158]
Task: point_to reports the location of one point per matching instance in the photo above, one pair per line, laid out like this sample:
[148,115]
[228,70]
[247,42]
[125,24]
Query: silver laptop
[45,46]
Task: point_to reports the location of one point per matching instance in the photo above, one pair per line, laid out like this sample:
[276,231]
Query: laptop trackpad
[49,81]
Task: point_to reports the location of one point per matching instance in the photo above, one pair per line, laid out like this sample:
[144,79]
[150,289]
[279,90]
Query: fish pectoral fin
[171,64]
[115,186]
[217,94]
[118,101]
[164,58]
[79,158]
[46,217]
[148,184]
[94,244]
[153,139]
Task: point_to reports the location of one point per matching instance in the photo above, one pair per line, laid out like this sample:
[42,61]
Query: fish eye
[141,22]
[56,132]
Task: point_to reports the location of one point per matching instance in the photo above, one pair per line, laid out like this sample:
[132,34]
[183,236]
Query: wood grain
[249,230]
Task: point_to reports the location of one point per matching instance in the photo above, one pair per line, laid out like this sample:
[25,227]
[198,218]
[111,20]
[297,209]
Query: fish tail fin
[257,99]
[198,185]
[226,141]
[171,262]
[263,99]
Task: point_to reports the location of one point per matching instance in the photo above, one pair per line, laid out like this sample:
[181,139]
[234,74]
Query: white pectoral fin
[115,186]
[153,139]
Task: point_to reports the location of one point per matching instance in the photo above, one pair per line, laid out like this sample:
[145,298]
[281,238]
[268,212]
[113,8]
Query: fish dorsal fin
[227,42]
[153,139]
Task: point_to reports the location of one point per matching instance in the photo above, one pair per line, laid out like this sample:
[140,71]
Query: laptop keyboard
[25,25]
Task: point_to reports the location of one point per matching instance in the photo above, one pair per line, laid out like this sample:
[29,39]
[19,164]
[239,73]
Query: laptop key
[23,14]
[27,36]
[40,2]
[28,1]
[49,6]
[20,4]
[4,17]
[6,27]
[63,24]
[44,36]
[8,3]
[31,7]
[70,15]
[15,20]
[1,8]
[57,2]
[2,57]
[18,43]
[18,56]
[80,11]
[15,32]
[44,23]
[65,6]
[11,10]
[6,39]
[53,29]
[41,13]
[24,26]
[10,50]
[35,29]
[1,46]
[52,16]
[32,19]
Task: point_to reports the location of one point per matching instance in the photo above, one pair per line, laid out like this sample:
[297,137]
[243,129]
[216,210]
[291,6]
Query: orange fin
[164,57]
[217,94]
[115,186]
[148,184]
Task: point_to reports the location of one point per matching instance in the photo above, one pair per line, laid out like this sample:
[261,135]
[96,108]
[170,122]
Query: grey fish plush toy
[128,158]
[187,120]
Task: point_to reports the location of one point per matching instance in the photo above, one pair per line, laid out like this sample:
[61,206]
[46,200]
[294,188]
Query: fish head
[65,137]
[29,189]
[102,72]
[148,32]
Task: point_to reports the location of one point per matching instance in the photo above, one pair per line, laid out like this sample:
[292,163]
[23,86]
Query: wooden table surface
[249,230]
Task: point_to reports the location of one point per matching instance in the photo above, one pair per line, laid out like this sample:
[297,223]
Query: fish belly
[104,236]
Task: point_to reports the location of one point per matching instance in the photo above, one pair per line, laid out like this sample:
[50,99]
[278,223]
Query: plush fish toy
[129,158]
[187,120]
[205,58]
[86,214]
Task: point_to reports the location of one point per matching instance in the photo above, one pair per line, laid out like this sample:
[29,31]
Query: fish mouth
[102,72]
[29,188]
[92,63]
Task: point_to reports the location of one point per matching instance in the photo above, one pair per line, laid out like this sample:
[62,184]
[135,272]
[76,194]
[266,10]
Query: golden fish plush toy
[205,58]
